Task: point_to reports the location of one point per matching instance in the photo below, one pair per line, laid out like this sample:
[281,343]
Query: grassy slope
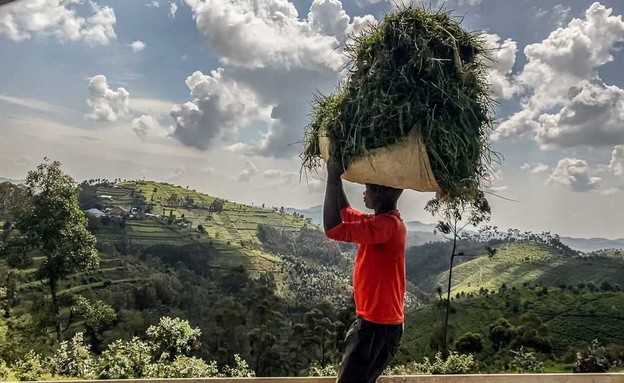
[517,263]
[572,319]
[224,230]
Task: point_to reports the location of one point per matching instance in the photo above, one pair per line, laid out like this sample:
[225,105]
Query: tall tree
[53,225]
[455,216]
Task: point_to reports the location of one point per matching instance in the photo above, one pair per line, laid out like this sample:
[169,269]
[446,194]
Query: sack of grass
[414,111]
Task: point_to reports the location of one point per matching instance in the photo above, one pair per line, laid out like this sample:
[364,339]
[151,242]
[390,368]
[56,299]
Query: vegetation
[52,225]
[268,295]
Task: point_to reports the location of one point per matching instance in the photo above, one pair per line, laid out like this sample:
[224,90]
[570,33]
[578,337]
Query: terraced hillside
[567,318]
[225,235]
[520,263]
[232,230]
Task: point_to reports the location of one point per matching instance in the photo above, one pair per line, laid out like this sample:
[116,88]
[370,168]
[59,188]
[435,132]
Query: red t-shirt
[379,271]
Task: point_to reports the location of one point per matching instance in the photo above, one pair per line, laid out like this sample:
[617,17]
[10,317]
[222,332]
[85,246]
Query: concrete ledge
[475,378]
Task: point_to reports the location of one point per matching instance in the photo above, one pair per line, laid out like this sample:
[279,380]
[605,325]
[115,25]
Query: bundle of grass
[417,74]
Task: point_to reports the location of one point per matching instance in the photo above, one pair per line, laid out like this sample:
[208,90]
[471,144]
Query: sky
[215,94]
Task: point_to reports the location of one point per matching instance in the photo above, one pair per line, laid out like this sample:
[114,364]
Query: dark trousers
[370,348]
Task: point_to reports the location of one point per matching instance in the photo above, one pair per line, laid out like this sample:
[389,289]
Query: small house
[118,211]
[95,213]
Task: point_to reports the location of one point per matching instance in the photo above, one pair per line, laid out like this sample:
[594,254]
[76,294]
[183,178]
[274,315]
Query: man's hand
[335,169]
[335,198]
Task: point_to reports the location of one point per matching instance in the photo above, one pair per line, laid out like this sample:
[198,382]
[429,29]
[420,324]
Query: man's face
[370,197]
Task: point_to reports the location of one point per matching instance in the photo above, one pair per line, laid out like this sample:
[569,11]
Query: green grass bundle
[414,71]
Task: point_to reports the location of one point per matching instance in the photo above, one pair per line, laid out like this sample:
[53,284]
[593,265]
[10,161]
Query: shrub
[316,370]
[30,367]
[525,362]
[239,370]
[455,363]
[73,359]
[125,360]
[5,371]
[592,359]
[184,367]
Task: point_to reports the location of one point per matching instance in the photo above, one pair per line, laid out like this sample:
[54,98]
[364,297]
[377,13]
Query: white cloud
[575,174]
[540,168]
[279,59]
[250,171]
[219,106]
[503,55]
[593,116]
[137,46]
[328,18]
[272,173]
[609,191]
[617,161]
[558,70]
[517,125]
[153,4]
[560,14]
[359,24]
[208,170]
[173,9]
[535,169]
[143,124]
[22,20]
[316,185]
[280,177]
[107,104]
[254,34]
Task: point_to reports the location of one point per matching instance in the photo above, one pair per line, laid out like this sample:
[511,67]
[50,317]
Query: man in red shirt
[378,275]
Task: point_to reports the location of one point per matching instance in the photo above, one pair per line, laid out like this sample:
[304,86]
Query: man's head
[381,197]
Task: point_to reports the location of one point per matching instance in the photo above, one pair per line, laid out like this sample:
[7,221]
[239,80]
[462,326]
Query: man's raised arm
[335,197]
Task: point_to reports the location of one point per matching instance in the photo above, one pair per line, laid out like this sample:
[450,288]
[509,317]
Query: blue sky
[214,95]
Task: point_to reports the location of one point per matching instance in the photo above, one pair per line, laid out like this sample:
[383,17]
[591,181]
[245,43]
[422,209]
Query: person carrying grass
[378,277]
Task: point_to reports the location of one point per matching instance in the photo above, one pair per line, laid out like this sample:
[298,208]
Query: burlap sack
[404,165]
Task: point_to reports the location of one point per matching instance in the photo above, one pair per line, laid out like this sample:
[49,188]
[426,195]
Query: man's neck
[385,209]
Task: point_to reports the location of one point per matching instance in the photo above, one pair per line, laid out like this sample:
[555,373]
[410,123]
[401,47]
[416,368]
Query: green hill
[564,320]
[524,263]
[168,250]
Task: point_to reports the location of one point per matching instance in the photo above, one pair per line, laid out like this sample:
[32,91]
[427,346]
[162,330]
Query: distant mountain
[315,213]
[420,233]
[419,226]
[593,244]
[10,180]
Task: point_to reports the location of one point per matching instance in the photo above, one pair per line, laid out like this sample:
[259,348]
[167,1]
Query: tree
[217,205]
[455,215]
[53,224]
[172,337]
[189,201]
[501,333]
[97,316]
[470,343]
[319,335]
[173,199]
